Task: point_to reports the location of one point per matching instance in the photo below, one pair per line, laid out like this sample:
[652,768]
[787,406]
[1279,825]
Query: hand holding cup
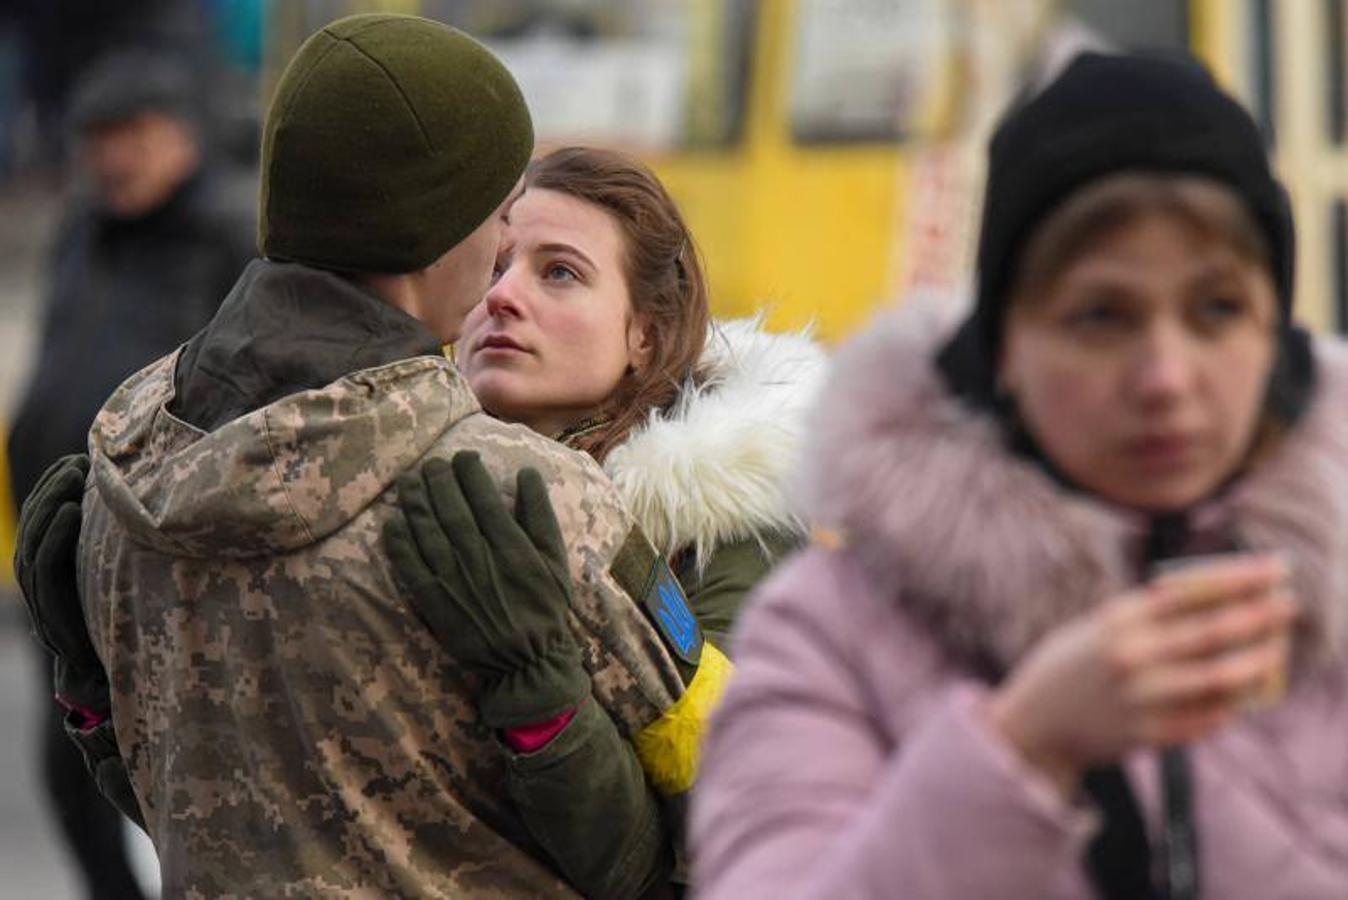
[1204,586]
[1170,662]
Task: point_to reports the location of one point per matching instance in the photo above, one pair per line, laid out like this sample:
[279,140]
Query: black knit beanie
[390,139]
[1103,115]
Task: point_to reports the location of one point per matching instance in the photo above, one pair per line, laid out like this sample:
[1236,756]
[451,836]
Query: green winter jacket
[710,482]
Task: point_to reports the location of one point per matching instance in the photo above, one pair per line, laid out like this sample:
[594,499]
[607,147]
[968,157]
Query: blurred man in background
[58,40]
[147,250]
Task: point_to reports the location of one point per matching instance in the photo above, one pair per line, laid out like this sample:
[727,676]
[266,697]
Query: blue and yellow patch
[670,748]
[647,579]
[668,608]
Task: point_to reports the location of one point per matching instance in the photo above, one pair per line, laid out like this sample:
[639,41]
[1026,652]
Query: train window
[1136,24]
[868,70]
[1337,119]
[1263,54]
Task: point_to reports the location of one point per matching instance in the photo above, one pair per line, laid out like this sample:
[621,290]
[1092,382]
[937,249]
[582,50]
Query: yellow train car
[823,225]
[855,173]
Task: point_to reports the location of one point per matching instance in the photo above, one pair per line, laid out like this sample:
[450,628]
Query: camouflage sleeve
[585,800]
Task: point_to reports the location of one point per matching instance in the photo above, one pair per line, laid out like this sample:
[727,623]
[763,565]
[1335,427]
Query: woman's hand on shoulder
[1166,664]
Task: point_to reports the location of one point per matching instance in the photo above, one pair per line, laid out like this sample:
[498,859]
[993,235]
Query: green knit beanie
[391,138]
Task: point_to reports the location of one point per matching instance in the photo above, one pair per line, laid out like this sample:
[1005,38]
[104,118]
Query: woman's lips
[500,343]
[1163,451]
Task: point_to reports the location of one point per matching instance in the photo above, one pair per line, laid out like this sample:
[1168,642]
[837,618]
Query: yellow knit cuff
[670,748]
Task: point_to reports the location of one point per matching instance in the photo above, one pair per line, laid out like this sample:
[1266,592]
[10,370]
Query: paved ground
[33,864]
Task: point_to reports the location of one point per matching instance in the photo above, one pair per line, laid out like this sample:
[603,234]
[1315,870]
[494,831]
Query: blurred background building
[827,153]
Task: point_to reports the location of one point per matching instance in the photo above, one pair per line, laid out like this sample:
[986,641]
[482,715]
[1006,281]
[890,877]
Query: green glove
[104,760]
[493,589]
[44,562]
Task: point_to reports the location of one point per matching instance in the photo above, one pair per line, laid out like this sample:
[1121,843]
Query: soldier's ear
[640,343]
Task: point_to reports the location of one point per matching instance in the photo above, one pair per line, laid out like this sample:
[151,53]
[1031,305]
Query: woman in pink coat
[995,680]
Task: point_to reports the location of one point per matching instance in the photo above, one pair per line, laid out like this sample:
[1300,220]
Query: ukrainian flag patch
[668,608]
[647,579]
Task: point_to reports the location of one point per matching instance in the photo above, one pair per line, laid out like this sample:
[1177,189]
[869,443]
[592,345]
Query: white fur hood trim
[717,467]
[988,551]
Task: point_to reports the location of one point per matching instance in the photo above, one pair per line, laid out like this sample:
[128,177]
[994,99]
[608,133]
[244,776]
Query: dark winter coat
[122,293]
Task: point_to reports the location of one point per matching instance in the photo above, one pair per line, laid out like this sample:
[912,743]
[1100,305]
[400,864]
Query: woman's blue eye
[560,272]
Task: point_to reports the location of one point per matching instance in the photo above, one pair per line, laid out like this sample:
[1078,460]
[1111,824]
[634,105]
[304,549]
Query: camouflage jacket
[290,727]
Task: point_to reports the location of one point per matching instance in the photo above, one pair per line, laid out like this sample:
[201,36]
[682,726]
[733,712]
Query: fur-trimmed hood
[987,550]
[717,466]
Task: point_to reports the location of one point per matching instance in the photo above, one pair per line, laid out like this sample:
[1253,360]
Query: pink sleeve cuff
[528,738]
[82,718]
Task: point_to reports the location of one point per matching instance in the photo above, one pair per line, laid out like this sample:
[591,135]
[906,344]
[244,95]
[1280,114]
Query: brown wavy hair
[664,281]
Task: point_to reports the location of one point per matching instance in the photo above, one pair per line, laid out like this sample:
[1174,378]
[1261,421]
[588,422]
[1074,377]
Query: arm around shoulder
[584,797]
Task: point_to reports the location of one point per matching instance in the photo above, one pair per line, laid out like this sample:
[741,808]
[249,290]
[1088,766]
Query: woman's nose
[503,296]
[1164,368]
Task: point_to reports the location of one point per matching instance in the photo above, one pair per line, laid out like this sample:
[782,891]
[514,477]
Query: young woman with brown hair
[596,331]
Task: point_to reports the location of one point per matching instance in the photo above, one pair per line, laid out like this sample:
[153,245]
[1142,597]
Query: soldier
[288,723]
